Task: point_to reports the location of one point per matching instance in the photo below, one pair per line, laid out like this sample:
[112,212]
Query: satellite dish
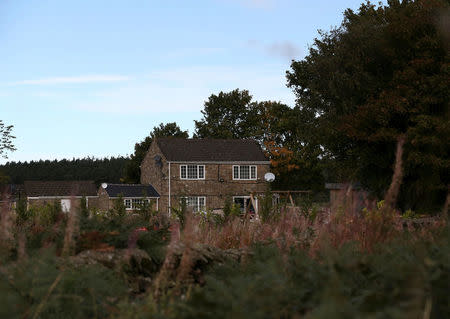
[104,185]
[269,177]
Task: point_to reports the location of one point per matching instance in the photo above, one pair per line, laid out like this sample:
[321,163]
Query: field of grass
[294,264]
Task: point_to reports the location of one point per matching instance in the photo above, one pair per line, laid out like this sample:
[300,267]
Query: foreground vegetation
[295,263]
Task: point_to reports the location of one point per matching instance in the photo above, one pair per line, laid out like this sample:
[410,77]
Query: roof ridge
[59,181]
[128,184]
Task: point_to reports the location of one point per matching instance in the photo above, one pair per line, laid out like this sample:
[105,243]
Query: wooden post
[292,201]
[254,203]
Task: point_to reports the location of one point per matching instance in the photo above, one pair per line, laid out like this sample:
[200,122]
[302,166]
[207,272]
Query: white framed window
[192,171]
[196,203]
[245,172]
[135,203]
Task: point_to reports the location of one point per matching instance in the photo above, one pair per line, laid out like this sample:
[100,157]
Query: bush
[402,279]
[45,287]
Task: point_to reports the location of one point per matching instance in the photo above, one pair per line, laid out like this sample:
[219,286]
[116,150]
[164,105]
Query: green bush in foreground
[402,279]
[47,287]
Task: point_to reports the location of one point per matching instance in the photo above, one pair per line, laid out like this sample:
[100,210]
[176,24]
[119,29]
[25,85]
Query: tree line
[99,170]
[371,95]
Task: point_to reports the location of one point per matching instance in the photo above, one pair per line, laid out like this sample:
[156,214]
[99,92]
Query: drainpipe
[169,190]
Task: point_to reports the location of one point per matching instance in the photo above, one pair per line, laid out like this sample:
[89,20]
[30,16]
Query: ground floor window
[135,203]
[245,204]
[196,203]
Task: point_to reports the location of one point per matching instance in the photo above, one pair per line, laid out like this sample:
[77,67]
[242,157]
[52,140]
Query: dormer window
[192,171]
[244,172]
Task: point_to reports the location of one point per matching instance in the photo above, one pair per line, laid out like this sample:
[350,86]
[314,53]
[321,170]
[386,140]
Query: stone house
[134,196]
[205,172]
[67,193]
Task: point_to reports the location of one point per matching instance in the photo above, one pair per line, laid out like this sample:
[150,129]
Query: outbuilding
[134,196]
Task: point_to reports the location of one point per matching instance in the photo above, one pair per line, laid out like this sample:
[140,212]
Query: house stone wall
[217,186]
[103,200]
[152,173]
[92,202]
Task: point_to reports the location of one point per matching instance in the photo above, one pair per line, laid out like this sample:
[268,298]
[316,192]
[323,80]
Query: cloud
[74,80]
[285,50]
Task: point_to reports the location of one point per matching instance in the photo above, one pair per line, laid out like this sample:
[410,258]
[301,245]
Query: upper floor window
[192,171]
[244,172]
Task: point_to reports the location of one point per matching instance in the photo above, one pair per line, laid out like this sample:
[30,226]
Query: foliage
[180,211]
[119,209]
[227,207]
[228,115]
[400,279]
[46,214]
[6,138]
[274,125]
[145,209]
[22,213]
[44,287]
[84,211]
[100,170]
[342,265]
[382,74]
[132,173]
[267,211]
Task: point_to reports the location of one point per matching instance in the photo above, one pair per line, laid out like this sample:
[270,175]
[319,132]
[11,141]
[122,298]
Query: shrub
[45,287]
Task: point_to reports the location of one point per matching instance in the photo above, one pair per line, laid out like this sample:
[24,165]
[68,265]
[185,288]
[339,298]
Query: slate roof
[60,188]
[210,150]
[131,190]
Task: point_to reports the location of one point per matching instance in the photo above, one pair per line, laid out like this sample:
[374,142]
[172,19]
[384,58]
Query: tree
[380,80]
[6,139]
[228,115]
[273,125]
[100,170]
[280,136]
[132,171]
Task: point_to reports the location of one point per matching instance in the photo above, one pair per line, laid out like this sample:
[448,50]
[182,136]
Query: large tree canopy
[132,172]
[228,115]
[383,75]
[273,124]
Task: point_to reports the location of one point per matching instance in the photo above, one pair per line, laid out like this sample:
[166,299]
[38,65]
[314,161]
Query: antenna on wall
[104,185]
[269,177]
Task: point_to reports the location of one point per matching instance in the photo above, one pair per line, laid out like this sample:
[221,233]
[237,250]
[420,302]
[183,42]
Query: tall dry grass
[294,229]
[7,241]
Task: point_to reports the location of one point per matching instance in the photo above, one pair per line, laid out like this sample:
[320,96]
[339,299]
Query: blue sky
[92,78]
